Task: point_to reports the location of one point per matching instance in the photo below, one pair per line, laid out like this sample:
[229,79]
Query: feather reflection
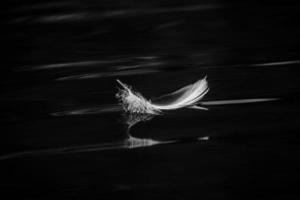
[129,142]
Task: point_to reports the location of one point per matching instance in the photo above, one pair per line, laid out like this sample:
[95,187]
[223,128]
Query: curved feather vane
[186,97]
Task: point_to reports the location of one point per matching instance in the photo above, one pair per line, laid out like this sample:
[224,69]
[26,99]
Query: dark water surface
[63,134]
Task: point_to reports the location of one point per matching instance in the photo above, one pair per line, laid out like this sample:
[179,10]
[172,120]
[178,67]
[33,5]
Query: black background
[64,56]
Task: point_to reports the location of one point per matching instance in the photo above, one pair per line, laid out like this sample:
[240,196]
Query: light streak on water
[237,101]
[128,143]
[107,74]
[203,138]
[118,108]
[71,64]
[279,63]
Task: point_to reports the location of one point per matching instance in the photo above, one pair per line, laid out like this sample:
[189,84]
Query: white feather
[188,96]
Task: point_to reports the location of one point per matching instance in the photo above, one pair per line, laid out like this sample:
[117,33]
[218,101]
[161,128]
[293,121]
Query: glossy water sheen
[64,135]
